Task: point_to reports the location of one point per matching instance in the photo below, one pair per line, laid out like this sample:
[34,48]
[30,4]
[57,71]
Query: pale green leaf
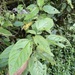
[46,56]
[19,54]
[1,20]
[70,3]
[31,7]
[44,24]
[50,9]
[40,3]
[42,44]
[31,31]
[7,23]
[5,53]
[32,14]
[36,67]
[25,72]
[58,40]
[12,16]
[5,32]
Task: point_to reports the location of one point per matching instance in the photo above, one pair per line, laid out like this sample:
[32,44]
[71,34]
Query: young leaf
[44,24]
[42,44]
[40,3]
[32,14]
[19,54]
[25,27]
[5,53]
[5,32]
[36,67]
[50,9]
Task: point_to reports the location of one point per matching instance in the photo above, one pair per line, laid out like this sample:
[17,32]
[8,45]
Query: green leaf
[5,53]
[58,40]
[12,17]
[1,20]
[46,56]
[20,16]
[50,9]
[25,72]
[19,54]
[44,24]
[5,32]
[36,67]
[31,7]
[40,3]
[42,44]
[18,23]
[70,3]
[7,23]
[31,31]
[3,62]
[32,14]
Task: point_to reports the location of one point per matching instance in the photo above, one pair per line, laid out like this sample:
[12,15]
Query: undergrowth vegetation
[38,38]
